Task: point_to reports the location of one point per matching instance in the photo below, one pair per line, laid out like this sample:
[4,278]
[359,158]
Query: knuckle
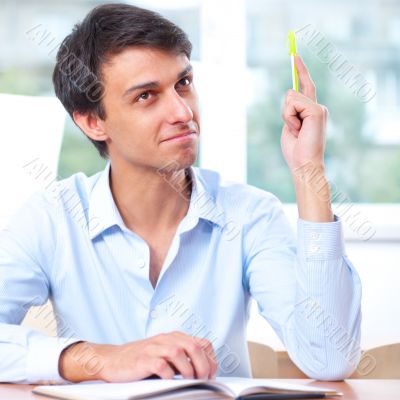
[194,347]
[321,110]
[289,93]
[205,345]
[160,365]
[205,342]
[175,351]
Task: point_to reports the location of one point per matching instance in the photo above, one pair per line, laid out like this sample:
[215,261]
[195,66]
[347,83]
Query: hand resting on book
[162,355]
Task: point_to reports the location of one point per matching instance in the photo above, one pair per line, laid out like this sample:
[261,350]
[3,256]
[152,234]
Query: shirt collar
[103,212]
[203,200]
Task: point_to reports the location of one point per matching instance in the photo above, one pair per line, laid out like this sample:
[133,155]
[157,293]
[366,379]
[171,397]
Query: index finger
[306,83]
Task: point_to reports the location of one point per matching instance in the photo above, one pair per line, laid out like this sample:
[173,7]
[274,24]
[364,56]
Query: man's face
[151,105]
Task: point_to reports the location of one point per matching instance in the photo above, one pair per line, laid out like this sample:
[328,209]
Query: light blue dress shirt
[69,243]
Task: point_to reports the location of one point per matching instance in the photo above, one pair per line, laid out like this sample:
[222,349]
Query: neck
[150,201]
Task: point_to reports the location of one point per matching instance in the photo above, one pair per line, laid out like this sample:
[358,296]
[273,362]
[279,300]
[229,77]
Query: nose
[178,110]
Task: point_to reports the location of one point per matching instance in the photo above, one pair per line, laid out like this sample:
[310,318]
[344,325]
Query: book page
[124,391]
[243,386]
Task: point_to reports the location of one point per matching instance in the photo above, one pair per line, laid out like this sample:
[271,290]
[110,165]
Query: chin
[188,159]
[179,162]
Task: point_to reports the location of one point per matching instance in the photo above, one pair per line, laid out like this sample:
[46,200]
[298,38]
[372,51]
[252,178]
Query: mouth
[188,135]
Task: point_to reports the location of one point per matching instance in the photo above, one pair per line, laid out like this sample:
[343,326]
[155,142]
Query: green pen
[292,53]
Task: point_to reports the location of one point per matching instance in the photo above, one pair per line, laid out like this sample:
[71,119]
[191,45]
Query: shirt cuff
[42,360]
[320,240]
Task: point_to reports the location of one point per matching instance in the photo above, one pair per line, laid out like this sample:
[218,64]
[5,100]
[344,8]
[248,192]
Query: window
[363,140]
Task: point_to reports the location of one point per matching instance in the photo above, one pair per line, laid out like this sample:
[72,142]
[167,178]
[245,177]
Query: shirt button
[141,263]
[153,314]
[314,249]
[315,235]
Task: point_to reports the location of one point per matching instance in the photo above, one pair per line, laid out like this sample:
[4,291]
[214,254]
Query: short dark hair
[106,31]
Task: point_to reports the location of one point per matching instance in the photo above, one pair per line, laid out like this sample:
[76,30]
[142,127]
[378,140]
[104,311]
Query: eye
[143,96]
[186,81]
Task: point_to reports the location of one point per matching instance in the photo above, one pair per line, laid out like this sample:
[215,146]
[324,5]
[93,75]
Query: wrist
[312,193]
[309,171]
[310,178]
[80,362]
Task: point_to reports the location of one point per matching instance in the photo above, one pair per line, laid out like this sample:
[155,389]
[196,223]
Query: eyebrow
[156,84]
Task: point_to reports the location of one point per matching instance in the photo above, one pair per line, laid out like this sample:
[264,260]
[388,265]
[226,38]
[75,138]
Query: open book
[221,388]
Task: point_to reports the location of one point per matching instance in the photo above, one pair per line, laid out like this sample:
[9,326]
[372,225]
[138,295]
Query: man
[150,265]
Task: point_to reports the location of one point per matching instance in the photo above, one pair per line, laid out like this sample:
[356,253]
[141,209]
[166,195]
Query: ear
[91,125]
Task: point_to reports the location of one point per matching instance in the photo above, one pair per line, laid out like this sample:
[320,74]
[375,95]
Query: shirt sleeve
[26,248]
[308,290]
